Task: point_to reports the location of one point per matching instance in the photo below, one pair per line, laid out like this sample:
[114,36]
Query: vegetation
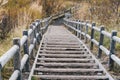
[18,14]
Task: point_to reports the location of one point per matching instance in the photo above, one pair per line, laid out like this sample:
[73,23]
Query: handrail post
[76,27]
[81,27]
[0,72]
[37,31]
[16,58]
[92,35]
[31,41]
[86,32]
[26,51]
[34,34]
[100,41]
[112,49]
[42,25]
[40,29]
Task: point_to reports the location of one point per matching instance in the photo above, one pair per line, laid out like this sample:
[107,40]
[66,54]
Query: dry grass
[7,43]
[36,7]
[83,12]
[29,14]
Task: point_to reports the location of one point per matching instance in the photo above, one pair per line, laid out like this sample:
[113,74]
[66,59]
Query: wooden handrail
[112,36]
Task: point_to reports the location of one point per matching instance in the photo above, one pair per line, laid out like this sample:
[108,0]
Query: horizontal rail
[105,50]
[30,32]
[23,61]
[106,34]
[117,39]
[96,28]
[8,55]
[15,75]
[95,42]
[23,40]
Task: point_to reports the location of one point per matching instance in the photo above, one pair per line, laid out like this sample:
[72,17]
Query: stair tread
[70,77]
[65,64]
[68,70]
[64,59]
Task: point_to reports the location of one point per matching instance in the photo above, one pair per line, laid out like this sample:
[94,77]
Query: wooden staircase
[63,57]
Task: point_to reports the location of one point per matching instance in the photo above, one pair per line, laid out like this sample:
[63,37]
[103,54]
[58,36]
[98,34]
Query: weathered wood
[31,42]
[69,70]
[62,43]
[17,58]
[63,48]
[58,61]
[86,32]
[66,60]
[92,36]
[0,72]
[112,50]
[66,46]
[66,55]
[100,42]
[48,51]
[70,77]
[66,64]
[82,30]
[26,51]
[69,49]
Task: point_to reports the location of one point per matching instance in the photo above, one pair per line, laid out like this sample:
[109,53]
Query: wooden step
[66,55]
[64,46]
[69,52]
[66,59]
[67,64]
[70,77]
[63,52]
[64,41]
[73,70]
[61,38]
[69,49]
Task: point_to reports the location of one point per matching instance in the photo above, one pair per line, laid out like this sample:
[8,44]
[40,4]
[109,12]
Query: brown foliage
[51,6]
[105,10]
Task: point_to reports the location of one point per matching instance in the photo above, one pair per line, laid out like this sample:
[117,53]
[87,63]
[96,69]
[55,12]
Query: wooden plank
[62,40]
[48,51]
[65,55]
[66,46]
[55,48]
[74,70]
[66,64]
[66,59]
[62,43]
[70,77]
[82,52]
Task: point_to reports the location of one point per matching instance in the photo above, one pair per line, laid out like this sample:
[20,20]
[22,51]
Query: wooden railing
[30,39]
[28,44]
[82,29]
